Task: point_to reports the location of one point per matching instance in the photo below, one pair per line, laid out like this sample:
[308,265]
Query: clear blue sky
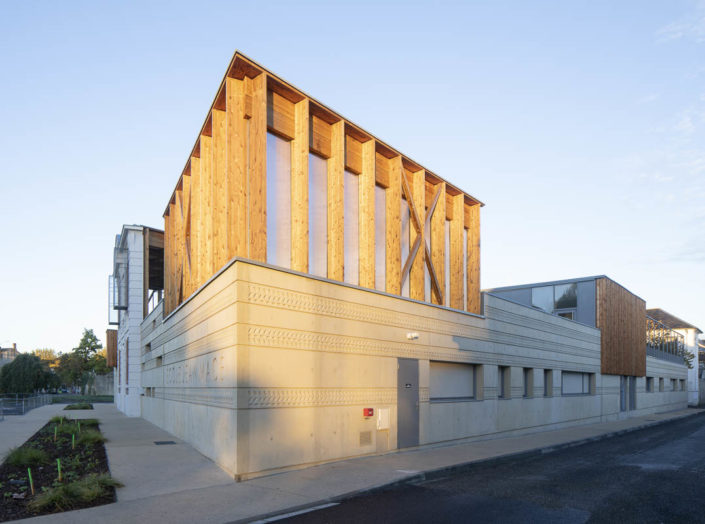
[580,124]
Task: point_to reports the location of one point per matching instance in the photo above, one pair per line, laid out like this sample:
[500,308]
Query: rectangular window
[528,382]
[317,215]
[278,201]
[682,384]
[380,238]
[405,236]
[649,384]
[446,298]
[542,298]
[450,381]
[351,225]
[570,315]
[574,383]
[566,296]
[547,382]
[503,382]
[127,362]
[660,384]
[673,384]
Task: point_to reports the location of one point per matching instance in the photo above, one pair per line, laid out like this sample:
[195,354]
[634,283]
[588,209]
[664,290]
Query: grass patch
[27,457]
[90,437]
[76,494]
[80,405]
[74,399]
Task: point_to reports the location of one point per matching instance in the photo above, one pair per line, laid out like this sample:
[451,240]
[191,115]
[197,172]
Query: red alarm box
[368,412]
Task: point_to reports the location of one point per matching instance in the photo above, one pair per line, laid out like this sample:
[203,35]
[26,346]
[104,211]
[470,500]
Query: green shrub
[26,457]
[74,494]
[90,437]
[80,405]
[89,423]
[58,419]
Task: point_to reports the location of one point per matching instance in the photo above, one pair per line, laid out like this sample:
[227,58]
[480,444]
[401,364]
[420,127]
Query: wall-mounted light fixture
[412,336]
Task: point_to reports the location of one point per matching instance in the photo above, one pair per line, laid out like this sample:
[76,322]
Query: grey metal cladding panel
[522,296]
[586,313]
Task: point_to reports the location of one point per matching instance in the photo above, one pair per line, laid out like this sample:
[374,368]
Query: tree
[78,368]
[88,346]
[25,374]
[46,355]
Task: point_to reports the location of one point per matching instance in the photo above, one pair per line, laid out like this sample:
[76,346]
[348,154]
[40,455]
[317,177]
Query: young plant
[26,457]
[74,494]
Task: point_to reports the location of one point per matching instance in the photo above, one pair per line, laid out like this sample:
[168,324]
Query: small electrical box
[368,412]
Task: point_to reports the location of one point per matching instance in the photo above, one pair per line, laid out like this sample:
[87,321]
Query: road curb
[462,467]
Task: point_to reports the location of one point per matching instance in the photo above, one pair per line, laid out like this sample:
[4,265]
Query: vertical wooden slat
[299,188]
[257,195]
[367,216]
[336,167]
[145,271]
[393,221]
[196,222]
[167,262]
[473,256]
[206,260]
[438,244]
[186,228]
[457,256]
[179,244]
[417,284]
[219,208]
[236,167]
[173,256]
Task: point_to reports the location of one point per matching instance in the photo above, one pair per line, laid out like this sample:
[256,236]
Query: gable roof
[670,321]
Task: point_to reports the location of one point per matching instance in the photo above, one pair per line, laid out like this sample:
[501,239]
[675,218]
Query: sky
[579,124]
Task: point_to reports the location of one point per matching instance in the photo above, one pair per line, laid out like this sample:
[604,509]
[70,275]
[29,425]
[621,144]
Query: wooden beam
[435,284]
[186,235]
[353,155]
[206,248]
[438,244]
[236,124]
[319,136]
[417,281]
[257,197]
[336,167]
[393,221]
[473,255]
[457,256]
[219,209]
[381,170]
[299,189]
[196,222]
[167,260]
[281,117]
[366,215]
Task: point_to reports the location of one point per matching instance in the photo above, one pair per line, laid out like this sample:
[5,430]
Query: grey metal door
[407,402]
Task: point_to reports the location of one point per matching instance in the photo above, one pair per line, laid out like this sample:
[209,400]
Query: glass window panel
[351,226]
[405,232]
[317,216]
[380,238]
[566,296]
[542,297]
[446,298]
[278,201]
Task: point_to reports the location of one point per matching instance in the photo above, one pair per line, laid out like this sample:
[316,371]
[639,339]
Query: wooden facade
[621,316]
[218,209]
[111,347]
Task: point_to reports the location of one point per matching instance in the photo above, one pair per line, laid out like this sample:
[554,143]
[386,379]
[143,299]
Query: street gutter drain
[164,442]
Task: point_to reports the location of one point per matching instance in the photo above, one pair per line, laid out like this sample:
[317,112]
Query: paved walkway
[175,483]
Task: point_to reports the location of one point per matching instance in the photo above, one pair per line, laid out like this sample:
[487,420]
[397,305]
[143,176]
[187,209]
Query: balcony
[664,343]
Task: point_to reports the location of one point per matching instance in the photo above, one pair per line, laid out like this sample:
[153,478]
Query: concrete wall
[127,389]
[691,344]
[264,369]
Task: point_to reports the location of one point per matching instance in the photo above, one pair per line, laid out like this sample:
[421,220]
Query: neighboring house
[322,301]
[135,288]
[689,339]
[7,355]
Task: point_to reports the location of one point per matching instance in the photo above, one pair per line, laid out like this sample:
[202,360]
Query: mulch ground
[75,464]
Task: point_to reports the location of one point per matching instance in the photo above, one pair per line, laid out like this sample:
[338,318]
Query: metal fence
[20,404]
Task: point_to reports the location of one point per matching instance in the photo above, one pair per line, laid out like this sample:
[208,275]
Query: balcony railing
[664,343]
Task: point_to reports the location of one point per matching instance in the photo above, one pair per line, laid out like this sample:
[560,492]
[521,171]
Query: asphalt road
[651,475]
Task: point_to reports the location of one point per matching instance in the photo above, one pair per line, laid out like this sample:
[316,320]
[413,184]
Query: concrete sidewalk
[175,483]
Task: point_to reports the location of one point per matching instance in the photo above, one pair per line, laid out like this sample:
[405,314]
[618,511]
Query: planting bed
[85,477]
[80,405]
